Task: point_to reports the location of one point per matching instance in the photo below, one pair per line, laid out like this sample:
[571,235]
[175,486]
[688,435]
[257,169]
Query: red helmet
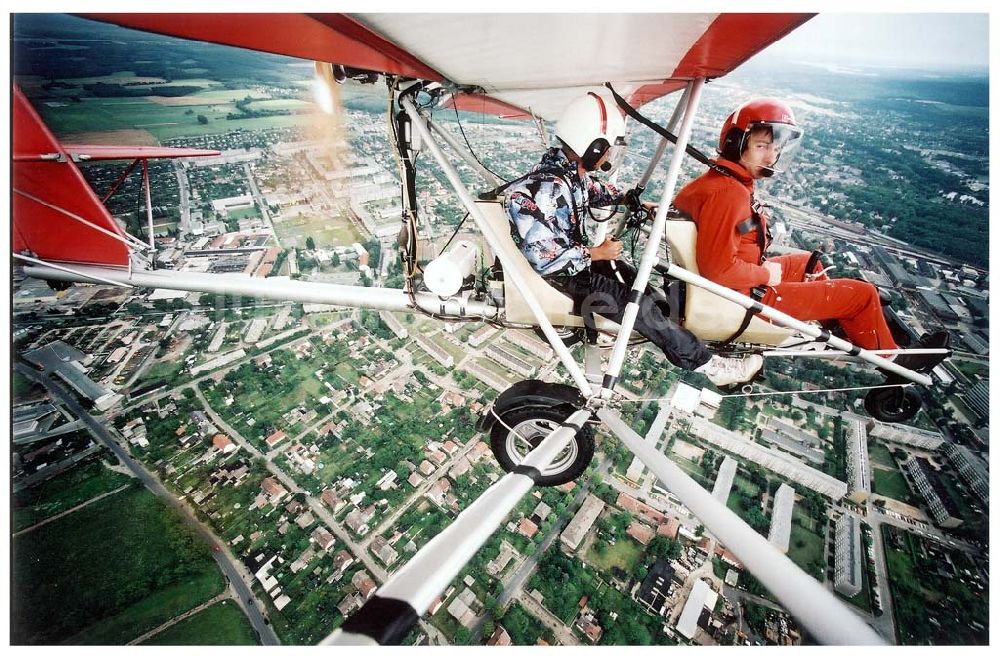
[769,113]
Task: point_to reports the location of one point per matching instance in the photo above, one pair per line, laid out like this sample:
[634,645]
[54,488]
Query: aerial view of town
[200,468]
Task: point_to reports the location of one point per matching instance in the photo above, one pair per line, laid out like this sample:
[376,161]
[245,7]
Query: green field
[879,454]
[93,115]
[805,549]
[62,492]
[893,485]
[222,624]
[624,554]
[326,231]
[108,573]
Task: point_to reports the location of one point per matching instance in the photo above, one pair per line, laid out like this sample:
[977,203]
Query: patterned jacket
[547,208]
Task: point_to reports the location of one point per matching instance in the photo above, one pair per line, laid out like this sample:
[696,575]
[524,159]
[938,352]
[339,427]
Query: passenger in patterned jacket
[547,209]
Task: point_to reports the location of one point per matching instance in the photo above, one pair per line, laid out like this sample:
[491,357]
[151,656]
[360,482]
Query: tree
[310,243]
[202,119]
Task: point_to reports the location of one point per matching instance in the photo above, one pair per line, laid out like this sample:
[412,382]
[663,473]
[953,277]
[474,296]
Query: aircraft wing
[507,64]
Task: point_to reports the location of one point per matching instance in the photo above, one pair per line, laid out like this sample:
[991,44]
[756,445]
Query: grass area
[805,548]
[880,454]
[62,492]
[280,104]
[243,213]
[153,610]
[222,624]
[108,573]
[325,231]
[623,555]
[892,484]
[165,371]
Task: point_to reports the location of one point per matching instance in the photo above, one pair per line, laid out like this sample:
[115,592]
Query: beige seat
[558,307]
[706,315]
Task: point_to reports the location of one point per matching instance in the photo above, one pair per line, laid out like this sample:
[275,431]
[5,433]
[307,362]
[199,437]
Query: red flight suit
[728,252]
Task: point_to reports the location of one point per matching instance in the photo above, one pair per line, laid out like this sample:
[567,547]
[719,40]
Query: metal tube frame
[819,611]
[469,202]
[785,320]
[434,566]
[662,146]
[383,299]
[649,256]
[149,201]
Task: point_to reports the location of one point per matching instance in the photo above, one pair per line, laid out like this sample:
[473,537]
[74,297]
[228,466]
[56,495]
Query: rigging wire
[473,153]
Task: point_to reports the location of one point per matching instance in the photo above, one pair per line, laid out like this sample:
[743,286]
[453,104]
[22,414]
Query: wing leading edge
[517,64]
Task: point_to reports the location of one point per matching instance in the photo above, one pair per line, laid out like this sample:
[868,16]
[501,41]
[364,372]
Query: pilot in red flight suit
[756,141]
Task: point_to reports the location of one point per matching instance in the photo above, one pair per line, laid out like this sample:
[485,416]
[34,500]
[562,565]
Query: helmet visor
[784,140]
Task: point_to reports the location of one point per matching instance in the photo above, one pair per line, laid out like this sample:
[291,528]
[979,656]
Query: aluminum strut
[661,148]
[816,608]
[383,299]
[649,257]
[509,271]
[387,617]
[785,320]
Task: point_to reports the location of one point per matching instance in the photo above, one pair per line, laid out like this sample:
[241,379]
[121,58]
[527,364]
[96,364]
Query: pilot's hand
[610,249]
[650,208]
[773,273]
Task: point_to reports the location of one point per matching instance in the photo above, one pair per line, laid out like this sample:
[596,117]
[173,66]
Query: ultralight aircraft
[514,66]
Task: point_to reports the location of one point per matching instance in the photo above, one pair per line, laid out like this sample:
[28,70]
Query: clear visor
[784,140]
[614,156]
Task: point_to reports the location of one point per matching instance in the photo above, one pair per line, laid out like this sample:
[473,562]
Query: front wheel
[893,405]
[522,429]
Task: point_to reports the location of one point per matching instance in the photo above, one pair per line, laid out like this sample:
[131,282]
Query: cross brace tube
[382,299]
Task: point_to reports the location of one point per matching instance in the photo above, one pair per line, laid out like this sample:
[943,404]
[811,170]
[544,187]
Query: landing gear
[893,405]
[526,413]
[570,336]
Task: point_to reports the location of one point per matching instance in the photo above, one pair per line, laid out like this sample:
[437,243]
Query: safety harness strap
[757,294]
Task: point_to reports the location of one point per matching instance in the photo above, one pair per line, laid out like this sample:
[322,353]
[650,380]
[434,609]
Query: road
[261,204]
[231,568]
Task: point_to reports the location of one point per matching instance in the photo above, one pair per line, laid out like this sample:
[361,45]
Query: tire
[893,405]
[534,424]
[570,335]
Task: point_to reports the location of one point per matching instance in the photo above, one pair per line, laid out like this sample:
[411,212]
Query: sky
[935,41]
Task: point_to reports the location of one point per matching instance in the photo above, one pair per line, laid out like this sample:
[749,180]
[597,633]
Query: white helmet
[591,127]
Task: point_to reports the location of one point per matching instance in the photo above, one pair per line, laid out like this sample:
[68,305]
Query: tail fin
[56,215]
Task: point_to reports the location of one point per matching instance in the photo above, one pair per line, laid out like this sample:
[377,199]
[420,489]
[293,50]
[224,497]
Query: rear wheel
[893,405]
[522,429]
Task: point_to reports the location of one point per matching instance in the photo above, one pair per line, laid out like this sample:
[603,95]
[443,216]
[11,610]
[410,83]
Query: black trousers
[599,290]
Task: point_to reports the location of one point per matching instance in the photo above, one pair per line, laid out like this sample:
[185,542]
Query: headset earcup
[594,153]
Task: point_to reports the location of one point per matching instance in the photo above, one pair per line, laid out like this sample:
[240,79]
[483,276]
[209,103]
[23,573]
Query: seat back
[558,307]
[706,315]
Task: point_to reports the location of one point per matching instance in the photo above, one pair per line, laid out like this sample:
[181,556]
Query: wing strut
[822,614]
[387,617]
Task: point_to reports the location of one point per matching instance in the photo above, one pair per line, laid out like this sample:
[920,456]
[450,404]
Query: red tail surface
[57,216]
[53,203]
